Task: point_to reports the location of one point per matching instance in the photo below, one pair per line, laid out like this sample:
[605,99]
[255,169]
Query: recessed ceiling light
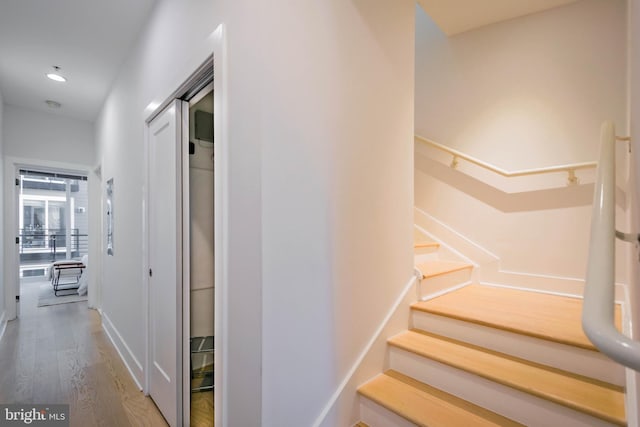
[55,75]
[52,104]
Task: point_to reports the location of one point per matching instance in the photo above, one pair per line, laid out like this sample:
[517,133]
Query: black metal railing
[50,244]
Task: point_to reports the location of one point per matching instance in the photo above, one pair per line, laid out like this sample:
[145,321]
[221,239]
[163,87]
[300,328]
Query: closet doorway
[180,253]
[200,232]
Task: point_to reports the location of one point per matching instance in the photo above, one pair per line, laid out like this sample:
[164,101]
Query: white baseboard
[127,356]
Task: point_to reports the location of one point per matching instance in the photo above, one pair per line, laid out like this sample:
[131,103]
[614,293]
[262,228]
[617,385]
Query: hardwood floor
[60,354]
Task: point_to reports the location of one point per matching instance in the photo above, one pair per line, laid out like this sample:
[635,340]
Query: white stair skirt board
[568,358]
[375,415]
[437,284]
[511,403]
[450,238]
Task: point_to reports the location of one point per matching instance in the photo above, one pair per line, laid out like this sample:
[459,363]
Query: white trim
[483,255]
[542,276]
[446,246]
[221,222]
[122,348]
[336,394]
[145,260]
[185,344]
[48,166]
[41,198]
[180,339]
[3,324]
[445,291]
[94,200]
[201,94]
[525,289]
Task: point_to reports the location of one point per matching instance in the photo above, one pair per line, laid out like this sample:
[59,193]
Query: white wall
[320,118]
[525,93]
[32,134]
[336,191]
[2,262]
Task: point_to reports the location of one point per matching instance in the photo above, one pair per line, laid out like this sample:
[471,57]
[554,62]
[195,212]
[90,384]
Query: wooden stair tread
[425,405]
[426,244]
[550,317]
[420,240]
[437,268]
[596,398]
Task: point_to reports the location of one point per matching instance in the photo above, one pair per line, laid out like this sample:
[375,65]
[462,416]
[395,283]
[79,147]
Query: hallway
[60,354]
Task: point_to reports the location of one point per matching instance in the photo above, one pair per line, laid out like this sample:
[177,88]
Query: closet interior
[202,283]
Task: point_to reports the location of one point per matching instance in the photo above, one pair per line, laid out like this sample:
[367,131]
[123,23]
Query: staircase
[481,355]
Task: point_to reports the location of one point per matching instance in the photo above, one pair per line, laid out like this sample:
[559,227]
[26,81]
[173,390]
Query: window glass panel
[34,223]
[57,216]
[57,223]
[33,216]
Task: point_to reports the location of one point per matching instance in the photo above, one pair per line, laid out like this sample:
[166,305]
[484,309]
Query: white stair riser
[511,403]
[375,415]
[437,284]
[568,358]
[420,258]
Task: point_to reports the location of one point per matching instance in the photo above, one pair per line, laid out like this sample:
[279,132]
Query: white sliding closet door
[165,262]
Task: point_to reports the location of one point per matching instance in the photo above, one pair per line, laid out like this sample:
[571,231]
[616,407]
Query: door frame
[11,225]
[213,54]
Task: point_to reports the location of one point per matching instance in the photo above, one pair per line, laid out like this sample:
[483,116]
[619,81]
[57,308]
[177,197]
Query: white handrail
[570,168]
[598,308]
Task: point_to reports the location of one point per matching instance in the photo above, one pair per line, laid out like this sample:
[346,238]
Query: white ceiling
[88,39]
[457,16]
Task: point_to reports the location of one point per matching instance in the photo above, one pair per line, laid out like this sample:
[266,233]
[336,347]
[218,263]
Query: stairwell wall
[336,193]
[525,93]
[3,309]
